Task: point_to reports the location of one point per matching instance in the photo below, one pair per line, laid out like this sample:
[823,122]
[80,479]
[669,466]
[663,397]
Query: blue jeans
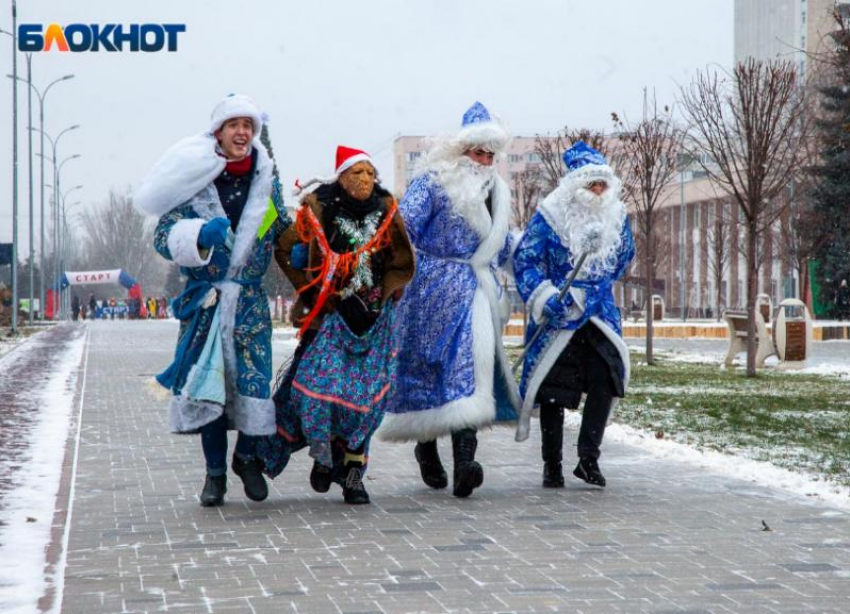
[214,443]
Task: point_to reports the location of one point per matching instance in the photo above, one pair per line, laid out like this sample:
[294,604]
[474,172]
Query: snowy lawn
[796,421]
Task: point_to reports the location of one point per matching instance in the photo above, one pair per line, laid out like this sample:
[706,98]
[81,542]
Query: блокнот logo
[146,37]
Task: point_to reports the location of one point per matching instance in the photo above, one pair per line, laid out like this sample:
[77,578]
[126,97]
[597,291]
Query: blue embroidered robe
[181,190]
[542,263]
[452,370]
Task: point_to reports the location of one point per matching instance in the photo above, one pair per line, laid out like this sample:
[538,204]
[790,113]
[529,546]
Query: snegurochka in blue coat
[580,349]
[220,213]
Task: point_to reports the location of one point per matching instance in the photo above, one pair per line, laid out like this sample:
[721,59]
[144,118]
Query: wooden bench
[737,323]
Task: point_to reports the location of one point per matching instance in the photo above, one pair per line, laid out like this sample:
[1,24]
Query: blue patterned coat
[453,371]
[541,267]
[234,271]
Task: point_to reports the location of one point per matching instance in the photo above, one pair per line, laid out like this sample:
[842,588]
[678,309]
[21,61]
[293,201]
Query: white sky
[336,72]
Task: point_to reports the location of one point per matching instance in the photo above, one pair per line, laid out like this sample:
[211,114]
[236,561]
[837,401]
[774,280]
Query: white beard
[577,214]
[467,184]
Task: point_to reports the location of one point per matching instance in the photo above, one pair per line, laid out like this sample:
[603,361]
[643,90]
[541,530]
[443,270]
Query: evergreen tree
[831,190]
[267,143]
[274,281]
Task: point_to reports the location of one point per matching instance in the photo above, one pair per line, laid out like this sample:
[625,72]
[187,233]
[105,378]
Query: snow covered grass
[796,422]
[26,517]
[8,343]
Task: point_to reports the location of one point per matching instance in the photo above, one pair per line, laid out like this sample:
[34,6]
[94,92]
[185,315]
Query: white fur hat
[236,105]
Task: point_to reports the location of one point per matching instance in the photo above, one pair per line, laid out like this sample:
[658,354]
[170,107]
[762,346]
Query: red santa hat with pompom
[346,157]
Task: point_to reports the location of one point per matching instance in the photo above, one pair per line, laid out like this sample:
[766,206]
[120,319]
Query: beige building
[767,29]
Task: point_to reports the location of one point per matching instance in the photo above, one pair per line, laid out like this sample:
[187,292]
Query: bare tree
[648,153]
[527,189]
[719,249]
[118,236]
[748,125]
[550,148]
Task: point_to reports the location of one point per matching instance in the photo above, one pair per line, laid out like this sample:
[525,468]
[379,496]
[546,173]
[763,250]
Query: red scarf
[239,167]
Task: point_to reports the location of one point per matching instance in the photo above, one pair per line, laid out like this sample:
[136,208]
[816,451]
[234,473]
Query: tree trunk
[752,292]
[650,305]
[717,283]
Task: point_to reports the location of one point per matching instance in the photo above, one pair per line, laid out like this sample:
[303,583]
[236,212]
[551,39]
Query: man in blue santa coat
[580,348]
[453,374]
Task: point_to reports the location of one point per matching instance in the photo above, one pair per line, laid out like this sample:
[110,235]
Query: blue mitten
[298,257]
[214,232]
[554,309]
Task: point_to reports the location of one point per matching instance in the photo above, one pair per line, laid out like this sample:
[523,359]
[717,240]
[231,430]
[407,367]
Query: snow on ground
[735,466]
[828,357]
[27,514]
[13,345]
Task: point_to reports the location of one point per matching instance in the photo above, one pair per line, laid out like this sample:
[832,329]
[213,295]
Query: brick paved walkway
[662,538]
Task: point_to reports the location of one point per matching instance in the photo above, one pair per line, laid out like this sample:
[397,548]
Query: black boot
[251,472]
[588,470]
[320,477]
[468,474]
[430,466]
[353,490]
[214,488]
[552,437]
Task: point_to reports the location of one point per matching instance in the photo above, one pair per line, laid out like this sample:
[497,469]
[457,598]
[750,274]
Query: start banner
[93,277]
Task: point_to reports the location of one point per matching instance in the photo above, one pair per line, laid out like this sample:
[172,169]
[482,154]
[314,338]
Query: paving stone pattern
[663,538]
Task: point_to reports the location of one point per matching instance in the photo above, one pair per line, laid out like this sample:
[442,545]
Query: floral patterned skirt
[334,393]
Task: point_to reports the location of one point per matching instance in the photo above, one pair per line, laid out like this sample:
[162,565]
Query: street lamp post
[63,224]
[42,95]
[14,318]
[54,143]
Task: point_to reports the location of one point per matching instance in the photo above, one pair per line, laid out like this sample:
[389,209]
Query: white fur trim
[182,171]
[494,240]
[476,410]
[187,416]
[492,135]
[548,360]
[254,416]
[183,243]
[253,213]
[484,256]
[361,157]
[592,172]
[538,297]
[237,105]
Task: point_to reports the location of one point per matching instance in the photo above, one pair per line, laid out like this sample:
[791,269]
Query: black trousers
[589,364]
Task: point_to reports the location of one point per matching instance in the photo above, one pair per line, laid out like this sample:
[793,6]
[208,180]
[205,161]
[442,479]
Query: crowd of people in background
[150,308]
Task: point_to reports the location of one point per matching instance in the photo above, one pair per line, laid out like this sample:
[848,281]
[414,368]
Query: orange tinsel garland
[335,268]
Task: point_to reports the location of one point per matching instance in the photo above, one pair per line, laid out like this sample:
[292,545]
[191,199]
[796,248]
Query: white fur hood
[184,169]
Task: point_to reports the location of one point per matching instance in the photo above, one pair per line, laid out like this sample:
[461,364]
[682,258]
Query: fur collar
[185,174]
[497,226]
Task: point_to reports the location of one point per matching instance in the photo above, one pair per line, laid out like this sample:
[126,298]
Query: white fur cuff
[183,243]
[537,300]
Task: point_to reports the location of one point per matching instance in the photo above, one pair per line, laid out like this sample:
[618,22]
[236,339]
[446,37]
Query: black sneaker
[588,470]
[430,467]
[353,490]
[251,472]
[320,477]
[553,475]
[214,488]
